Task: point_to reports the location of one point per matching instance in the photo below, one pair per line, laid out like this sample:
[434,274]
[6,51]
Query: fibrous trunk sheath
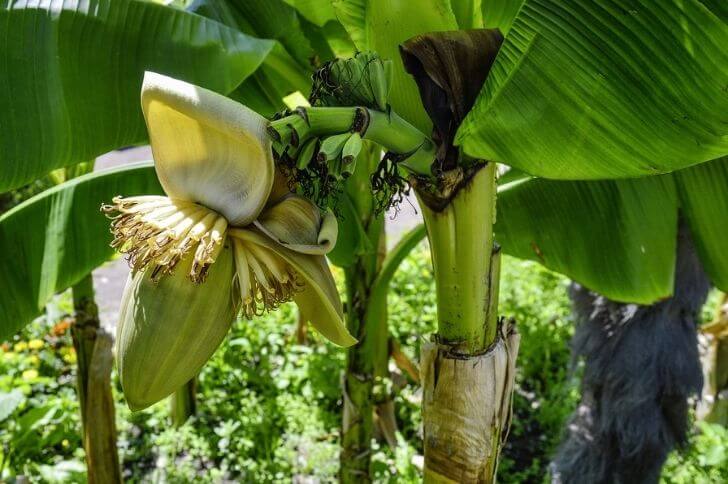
[94,361]
[468,369]
[713,404]
[640,368]
[466,409]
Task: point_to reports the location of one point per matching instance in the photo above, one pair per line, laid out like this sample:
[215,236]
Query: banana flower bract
[224,240]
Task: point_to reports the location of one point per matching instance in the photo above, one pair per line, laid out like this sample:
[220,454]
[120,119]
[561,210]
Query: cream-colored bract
[317,298]
[214,161]
[297,224]
[208,148]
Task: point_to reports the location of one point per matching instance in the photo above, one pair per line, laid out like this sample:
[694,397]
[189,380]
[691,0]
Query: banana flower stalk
[228,238]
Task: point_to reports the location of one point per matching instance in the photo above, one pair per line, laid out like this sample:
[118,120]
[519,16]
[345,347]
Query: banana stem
[461,244]
[388,130]
[468,370]
[366,362]
[94,361]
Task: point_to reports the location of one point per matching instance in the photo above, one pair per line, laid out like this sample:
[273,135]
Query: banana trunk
[94,362]
[366,362]
[468,368]
[713,404]
[466,409]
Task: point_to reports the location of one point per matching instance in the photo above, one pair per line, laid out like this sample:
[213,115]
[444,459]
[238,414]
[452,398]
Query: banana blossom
[228,238]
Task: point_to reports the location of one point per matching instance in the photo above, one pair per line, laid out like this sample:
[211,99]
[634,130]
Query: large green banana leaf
[704,203]
[618,237]
[318,12]
[602,89]
[71,73]
[499,14]
[300,45]
[51,241]
[278,76]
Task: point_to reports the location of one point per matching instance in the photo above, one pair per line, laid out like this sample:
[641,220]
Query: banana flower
[225,240]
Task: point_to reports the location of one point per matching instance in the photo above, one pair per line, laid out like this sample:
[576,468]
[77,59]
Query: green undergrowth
[269,409]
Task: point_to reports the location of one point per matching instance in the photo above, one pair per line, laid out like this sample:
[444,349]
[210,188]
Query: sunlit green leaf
[54,239]
[607,89]
[469,13]
[72,71]
[615,237]
[274,19]
[299,46]
[315,11]
[499,14]
[704,202]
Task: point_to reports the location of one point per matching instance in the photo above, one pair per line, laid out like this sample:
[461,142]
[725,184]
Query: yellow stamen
[242,272]
[160,231]
[265,281]
[207,250]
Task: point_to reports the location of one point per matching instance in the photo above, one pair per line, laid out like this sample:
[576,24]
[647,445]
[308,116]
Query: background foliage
[269,409]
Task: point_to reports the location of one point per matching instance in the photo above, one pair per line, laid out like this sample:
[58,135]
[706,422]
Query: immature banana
[332,146]
[350,153]
[363,80]
[306,154]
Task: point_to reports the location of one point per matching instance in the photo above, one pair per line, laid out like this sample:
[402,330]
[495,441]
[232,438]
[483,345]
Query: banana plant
[539,111]
[91,86]
[547,106]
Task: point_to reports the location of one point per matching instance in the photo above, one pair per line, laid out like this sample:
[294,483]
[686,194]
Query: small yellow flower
[35,344]
[34,360]
[65,443]
[21,346]
[70,357]
[30,374]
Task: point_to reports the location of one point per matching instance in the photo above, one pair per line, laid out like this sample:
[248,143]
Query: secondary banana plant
[225,239]
[361,253]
